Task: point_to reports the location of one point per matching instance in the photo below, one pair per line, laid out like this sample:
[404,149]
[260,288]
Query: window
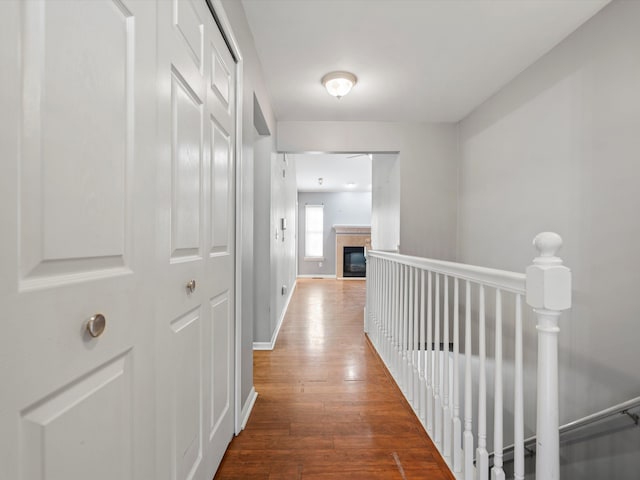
[313,230]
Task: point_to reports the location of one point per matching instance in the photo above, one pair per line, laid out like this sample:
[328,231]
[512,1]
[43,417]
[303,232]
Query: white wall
[283,248]
[385,221]
[557,149]
[428,172]
[262,241]
[253,83]
[340,208]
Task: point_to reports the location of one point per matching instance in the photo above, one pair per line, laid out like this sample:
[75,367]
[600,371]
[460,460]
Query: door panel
[187,395]
[186,121]
[59,219]
[219,72]
[221,181]
[77,141]
[69,435]
[220,362]
[116,192]
[195,327]
[221,77]
[186,18]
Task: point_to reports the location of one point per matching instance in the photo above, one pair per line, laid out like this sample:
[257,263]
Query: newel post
[549,293]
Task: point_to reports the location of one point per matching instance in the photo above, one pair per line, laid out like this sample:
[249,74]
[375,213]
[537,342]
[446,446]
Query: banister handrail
[510,281]
[620,408]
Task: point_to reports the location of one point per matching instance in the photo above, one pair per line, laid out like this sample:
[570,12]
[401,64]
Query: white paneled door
[195,242]
[116,249]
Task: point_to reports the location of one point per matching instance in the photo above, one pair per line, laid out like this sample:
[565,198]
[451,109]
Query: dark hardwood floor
[327,408]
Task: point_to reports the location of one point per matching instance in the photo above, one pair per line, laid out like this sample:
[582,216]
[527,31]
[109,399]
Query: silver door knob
[191,286]
[96,325]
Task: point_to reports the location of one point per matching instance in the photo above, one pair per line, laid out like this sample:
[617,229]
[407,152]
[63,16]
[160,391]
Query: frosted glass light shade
[339,84]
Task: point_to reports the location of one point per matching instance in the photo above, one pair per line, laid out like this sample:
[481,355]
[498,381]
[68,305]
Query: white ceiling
[416,60]
[336,170]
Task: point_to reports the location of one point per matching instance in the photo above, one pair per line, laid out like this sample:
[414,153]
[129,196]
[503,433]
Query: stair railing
[414,306]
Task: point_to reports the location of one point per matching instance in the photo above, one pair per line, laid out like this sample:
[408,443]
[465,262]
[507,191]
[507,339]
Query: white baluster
[518,406]
[397,327]
[367,304]
[416,344]
[457,426]
[394,321]
[401,325]
[482,456]
[383,317]
[430,413]
[405,330]
[468,390]
[409,295]
[548,292]
[446,414]
[423,357]
[389,326]
[437,373]
[497,473]
[385,313]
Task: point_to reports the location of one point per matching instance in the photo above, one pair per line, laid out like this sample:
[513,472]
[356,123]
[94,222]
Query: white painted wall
[557,149]
[275,258]
[340,208]
[428,172]
[385,220]
[253,83]
[261,323]
[283,247]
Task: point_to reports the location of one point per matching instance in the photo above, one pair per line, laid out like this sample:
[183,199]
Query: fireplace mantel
[352,229]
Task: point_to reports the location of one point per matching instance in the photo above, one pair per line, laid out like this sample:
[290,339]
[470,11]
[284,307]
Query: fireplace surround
[350,236]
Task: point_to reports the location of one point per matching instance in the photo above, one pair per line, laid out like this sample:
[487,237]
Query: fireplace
[354,262]
[352,236]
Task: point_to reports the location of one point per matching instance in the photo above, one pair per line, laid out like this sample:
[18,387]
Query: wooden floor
[327,408]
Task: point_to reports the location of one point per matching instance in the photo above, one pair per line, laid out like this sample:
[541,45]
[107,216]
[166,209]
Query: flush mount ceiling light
[339,84]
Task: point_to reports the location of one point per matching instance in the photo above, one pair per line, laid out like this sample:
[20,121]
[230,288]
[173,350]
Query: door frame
[220,17]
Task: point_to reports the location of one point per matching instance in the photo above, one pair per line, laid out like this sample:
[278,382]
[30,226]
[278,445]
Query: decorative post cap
[547,244]
[548,281]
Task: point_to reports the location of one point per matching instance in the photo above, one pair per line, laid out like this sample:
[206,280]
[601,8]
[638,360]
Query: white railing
[414,304]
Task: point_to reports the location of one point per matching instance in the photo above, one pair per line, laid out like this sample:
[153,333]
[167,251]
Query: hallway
[327,408]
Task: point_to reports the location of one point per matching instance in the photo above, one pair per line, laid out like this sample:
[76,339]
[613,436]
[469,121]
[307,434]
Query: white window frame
[313,256]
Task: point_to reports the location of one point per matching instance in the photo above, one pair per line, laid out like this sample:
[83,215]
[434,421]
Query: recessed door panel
[220,78]
[187,394]
[221,327]
[77,123]
[84,430]
[220,186]
[187,169]
[188,23]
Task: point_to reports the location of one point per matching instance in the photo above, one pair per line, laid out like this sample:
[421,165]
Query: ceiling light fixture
[339,84]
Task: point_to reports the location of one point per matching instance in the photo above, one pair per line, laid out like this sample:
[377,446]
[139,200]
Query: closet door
[77,217]
[195,242]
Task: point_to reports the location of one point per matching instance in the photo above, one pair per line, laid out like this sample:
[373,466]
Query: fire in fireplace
[355,264]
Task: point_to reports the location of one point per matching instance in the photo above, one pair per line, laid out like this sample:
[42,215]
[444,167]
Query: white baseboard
[272,344]
[316,276]
[248,407]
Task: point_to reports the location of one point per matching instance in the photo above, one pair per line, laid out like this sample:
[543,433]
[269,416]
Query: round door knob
[96,325]
[191,286]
